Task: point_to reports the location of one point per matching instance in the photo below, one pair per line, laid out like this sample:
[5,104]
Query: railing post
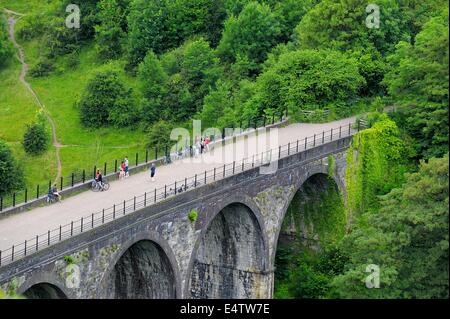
[185,183]
[279,152]
[37,242]
[37,191]
[104,169]
[264,121]
[155,196]
[84,176]
[253,160]
[297,148]
[124,203]
[156,152]
[358,125]
[205,177]
[1,204]
[273,118]
[61,183]
[49,185]
[306,142]
[146,155]
[25,248]
[114,211]
[323,137]
[0,257]
[60,232]
[214,173]
[95,170]
[81,228]
[145,199]
[134,204]
[331,138]
[73,176]
[14,199]
[175,187]
[92,220]
[165,191]
[26,195]
[71,228]
[340,131]
[115,166]
[195,180]
[349,127]
[314,143]
[48,237]
[224,170]
[234,164]
[12,253]
[289,148]
[103,216]
[137,158]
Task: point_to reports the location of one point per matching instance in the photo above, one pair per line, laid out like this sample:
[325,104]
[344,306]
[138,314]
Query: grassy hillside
[82,148]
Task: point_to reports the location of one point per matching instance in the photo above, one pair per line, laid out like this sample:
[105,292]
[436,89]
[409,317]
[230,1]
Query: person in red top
[122,171]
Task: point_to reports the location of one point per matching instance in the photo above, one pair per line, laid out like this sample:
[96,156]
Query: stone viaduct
[228,251]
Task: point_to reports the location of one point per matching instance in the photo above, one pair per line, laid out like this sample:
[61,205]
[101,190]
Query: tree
[159,136]
[11,175]
[147,29]
[35,139]
[110,33]
[308,80]
[5,46]
[154,81]
[106,101]
[215,104]
[252,34]
[407,238]
[341,25]
[418,82]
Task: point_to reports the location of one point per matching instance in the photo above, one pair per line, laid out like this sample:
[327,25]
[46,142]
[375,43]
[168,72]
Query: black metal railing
[125,207]
[78,178]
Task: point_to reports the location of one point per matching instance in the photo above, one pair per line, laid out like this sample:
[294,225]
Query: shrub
[106,101]
[11,176]
[35,139]
[42,68]
[193,215]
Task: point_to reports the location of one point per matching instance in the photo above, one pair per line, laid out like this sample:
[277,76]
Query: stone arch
[43,286]
[144,268]
[317,169]
[230,257]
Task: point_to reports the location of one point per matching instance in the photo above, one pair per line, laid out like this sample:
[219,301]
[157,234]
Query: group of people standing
[201,145]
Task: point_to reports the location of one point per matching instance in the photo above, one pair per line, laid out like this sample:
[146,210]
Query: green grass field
[83,148]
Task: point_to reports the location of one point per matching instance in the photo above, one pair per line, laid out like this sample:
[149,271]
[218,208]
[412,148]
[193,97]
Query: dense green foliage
[11,175]
[36,138]
[418,80]
[407,237]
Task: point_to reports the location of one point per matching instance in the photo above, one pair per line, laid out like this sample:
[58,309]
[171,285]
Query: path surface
[26,225]
[12,20]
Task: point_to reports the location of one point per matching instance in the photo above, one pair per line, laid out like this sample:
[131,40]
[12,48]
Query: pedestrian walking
[152,172]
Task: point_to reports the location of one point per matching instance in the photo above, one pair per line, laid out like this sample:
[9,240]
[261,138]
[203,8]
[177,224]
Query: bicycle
[96,187]
[52,198]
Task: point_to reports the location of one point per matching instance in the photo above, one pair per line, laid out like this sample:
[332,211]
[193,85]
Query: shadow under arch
[44,290]
[145,268]
[321,170]
[229,259]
